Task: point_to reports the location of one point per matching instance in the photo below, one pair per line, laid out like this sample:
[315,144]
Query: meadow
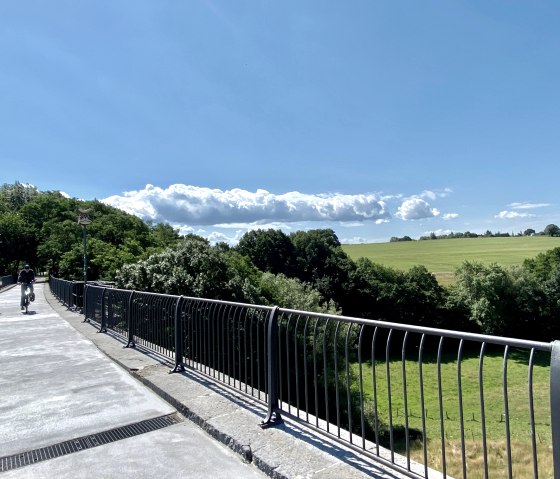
[442,257]
[494,409]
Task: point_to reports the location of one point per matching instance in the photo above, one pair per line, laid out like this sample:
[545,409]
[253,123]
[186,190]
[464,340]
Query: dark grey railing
[224,340]
[361,382]
[6,280]
[70,293]
[336,351]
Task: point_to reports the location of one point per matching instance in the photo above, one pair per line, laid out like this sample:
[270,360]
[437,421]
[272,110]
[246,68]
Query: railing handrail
[446,333]
[193,298]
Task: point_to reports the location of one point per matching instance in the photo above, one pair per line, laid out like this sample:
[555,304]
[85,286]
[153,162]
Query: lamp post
[83,219]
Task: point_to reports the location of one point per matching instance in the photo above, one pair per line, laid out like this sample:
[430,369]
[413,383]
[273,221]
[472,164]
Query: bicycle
[28,297]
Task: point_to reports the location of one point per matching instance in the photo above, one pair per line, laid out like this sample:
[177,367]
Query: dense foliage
[306,270]
[42,228]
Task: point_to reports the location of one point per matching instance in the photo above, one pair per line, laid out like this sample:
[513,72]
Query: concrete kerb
[286,451]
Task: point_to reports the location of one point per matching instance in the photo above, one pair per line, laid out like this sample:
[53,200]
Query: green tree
[71,263]
[488,292]
[58,238]
[551,311]
[269,250]
[162,235]
[321,262]
[374,291]
[543,264]
[53,220]
[17,243]
[243,276]
[413,297]
[531,316]
[291,293]
[14,197]
[552,230]
[193,268]
[114,226]
[421,298]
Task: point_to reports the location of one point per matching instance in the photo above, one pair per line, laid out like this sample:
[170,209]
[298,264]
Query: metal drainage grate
[86,442]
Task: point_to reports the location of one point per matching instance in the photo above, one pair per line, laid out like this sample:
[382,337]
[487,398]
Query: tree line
[549,230]
[305,270]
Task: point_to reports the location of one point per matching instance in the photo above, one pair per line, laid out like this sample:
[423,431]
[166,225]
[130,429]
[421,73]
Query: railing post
[84,298]
[129,321]
[69,292]
[84,309]
[103,327]
[179,366]
[73,303]
[272,371]
[555,405]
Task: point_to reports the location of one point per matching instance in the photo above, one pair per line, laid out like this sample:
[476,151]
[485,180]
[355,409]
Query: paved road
[56,386]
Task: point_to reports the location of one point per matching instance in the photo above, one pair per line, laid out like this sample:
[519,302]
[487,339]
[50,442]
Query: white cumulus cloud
[416,209]
[512,214]
[434,195]
[186,204]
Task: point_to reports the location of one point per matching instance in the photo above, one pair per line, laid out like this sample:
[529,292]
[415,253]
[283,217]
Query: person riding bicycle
[26,278]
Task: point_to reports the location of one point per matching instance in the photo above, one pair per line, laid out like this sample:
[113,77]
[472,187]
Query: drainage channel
[8,463]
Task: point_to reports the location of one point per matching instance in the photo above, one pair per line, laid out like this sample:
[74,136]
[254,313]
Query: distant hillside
[443,256]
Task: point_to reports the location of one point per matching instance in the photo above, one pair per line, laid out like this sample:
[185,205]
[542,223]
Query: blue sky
[374,118]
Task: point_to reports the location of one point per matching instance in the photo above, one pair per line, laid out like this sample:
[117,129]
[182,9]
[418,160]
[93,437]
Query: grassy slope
[442,257]
[493,399]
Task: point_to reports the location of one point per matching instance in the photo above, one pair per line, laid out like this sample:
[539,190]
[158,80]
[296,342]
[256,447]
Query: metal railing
[6,281]
[70,293]
[224,340]
[366,383]
[415,399]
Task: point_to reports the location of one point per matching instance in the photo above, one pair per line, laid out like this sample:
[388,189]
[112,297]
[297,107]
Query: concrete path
[56,385]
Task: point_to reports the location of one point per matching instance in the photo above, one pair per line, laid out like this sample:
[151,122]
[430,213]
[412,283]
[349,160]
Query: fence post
[129,321]
[272,371]
[179,366]
[103,327]
[73,300]
[84,298]
[69,292]
[555,405]
[84,309]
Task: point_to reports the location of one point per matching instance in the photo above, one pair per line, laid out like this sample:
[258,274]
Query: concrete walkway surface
[61,379]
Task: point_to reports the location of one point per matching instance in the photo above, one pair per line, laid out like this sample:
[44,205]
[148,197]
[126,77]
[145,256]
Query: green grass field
[493,400]
[442,257]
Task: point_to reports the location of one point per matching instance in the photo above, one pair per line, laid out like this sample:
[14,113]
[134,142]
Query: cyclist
[26,278]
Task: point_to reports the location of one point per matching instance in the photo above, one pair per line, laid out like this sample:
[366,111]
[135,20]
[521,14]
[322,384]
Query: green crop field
[442,257]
